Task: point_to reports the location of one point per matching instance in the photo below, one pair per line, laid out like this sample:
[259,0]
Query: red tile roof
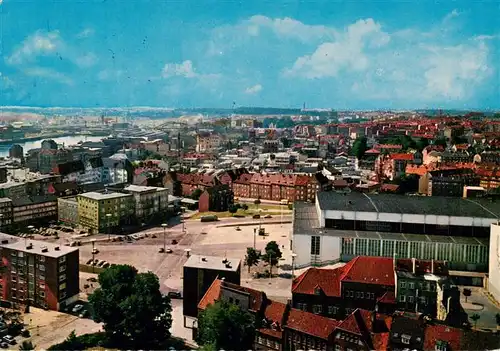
[434,333]
[311,324]
[211,296]
[370,270]
[388,298]
[257,298]
[388,146]
[401,157]
[326,279]
[244,179]
[274,313]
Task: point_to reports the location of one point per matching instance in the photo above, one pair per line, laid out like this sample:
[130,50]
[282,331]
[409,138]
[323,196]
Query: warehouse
[340,226]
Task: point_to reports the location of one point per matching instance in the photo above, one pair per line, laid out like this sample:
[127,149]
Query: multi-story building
[241,187]
[5,213]
[37,273]
[16,151]
[278,186]
[208,142]
[217,198]
[67,210]
[103,211]
[449,182]
[31,210]
[392,166]
[199,274]
[150,201]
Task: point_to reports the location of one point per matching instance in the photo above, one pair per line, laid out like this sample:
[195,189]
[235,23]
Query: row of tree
[271,255]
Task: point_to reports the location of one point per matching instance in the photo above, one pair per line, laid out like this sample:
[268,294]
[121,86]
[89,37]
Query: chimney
[414,265]
[432,266]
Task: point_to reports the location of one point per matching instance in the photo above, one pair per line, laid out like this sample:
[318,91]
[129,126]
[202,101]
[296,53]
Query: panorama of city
[285,175]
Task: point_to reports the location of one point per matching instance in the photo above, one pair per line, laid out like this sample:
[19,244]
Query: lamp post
[30,227]
[293,264]
[164,225]
[93,255]
[108,223]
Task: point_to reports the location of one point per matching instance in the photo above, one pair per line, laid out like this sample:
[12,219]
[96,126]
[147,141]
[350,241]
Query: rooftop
[143,189]
[34,246]
[388,203]
[213,262]
[103,196]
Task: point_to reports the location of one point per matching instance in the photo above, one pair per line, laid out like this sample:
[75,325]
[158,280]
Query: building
[339,227]
[216,199]
[448,182]
[94,207]
[67,210]
[5,213]
[278,186]
[392,166]
[40,274]
[16,151]
[32,210]
[199,274]
[241,187]
[150,201]
[208,142]
[494,262]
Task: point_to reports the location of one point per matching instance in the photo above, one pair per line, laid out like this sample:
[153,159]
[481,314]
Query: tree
[195,195]
[252,258]
[440,142]
[421,144]
[132,308]
[359,147]
[467,293]
[225,326]
[475,317]
[257,202]
[26,345]
[272,255]
[233,209]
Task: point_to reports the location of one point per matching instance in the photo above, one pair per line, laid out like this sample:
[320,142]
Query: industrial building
[338,227]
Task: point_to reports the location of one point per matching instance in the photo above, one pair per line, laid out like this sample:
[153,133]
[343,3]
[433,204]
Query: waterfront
[33,144]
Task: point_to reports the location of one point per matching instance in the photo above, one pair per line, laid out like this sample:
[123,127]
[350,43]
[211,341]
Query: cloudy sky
[193,53]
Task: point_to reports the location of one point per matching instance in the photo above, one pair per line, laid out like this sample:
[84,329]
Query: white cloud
[86,60]
[451,15]
[42,72]
[86,33]
[254,89]
[38,44]
[184,69]
[107,75]
[287,27]
[346,53]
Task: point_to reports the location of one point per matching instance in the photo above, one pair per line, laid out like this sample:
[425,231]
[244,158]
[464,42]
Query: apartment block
[67,210]
[39,274]
[149,200]
[94,207]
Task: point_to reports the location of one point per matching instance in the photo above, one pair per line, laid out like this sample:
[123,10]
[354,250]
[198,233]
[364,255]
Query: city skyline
[344,55]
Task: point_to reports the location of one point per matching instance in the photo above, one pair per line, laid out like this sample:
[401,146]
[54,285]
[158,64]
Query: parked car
[100,263]
[4,345]
[268,216]
[92,279]
[256,216]
[95,251]
[161,250]
[9,339]
[90,261]
[106,265]
[83,314]
[77,308]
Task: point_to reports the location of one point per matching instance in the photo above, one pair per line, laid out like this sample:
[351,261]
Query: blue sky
[209,53]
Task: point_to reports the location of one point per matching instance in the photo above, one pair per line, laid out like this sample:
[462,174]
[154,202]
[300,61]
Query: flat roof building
[341,226]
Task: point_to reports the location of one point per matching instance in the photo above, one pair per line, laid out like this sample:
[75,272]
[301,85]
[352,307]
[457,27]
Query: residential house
[447,182]
[149,201]
[392,166]
[241,186]
[208,142]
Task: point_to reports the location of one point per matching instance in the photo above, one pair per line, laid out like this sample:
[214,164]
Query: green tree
[421,144]
[359,147]
[233,209]
[440,142]
[195,195]
[252,258]
[225,326]
[272,255]
[257,202]
[26,345]
[475,317]
[132,308]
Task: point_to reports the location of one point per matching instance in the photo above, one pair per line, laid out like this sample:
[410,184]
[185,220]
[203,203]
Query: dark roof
[389,203]
[96,162]
[32,200]
[70,167]
[305,218]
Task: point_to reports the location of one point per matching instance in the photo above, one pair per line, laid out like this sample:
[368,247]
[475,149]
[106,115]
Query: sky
[273,53]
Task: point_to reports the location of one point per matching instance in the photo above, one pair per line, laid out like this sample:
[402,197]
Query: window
[302,306]
[315,245]
[42,293]
[62,268]
[357,294]
[338,348]
[361,295]
[405,339]
[410,299]
[332,310]
[403,285]
[41,267]
[260,339]
[62,277]
[62,286]
[62,259]
[41,258]
[317,309]
[402,298]
[411,285]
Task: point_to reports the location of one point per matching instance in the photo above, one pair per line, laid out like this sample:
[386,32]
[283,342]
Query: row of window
[268,342]
[427,286]
[412,299]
